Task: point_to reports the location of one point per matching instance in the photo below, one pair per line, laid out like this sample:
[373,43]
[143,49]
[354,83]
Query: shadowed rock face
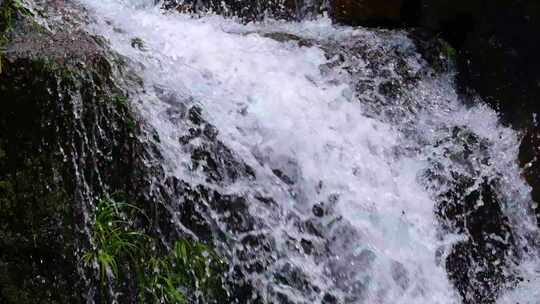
[67,137]
[499,57]
[499,60]
[366,12]
[529,156]
[478,266]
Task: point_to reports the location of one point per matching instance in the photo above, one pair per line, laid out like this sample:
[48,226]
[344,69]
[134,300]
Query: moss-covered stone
[68,137]
[61,142]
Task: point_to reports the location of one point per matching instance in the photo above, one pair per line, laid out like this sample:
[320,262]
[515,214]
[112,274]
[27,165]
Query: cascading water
[340,157]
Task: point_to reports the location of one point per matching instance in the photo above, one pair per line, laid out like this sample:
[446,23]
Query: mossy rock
[66,135]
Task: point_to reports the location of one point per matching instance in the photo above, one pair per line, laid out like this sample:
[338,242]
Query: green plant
[200,265]
[162,283]
[113,238]
[189,265]
[163,278]
[120,100]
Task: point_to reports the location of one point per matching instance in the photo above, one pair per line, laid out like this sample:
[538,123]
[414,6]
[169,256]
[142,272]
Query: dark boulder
[496,43]
[497,55]
[480,266]
[367,12]
[68,136]
[498,50]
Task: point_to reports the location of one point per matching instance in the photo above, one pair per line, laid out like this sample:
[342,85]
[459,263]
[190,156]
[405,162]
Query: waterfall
[341,159]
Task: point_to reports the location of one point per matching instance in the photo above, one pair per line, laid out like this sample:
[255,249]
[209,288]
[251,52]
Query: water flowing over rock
[324,164]
[246,10]
[363,12]
[499,32]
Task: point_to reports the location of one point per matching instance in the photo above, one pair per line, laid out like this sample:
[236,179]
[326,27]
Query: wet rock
[285,37]
[55,96]
[208,153]
[400,275]
[497,57]
[329,299]
[480,266]
[476,266]
[318,210]
[291,275]
[387,13]
[440,54]
[283,177]
[529,157]
[68,137]
[366,12]
[246,10]
[390,89]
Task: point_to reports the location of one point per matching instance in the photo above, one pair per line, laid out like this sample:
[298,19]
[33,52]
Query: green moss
[8,11]
[120,100]
[448,51]
[39,230]
[45,65]
[131,124]
[32,212]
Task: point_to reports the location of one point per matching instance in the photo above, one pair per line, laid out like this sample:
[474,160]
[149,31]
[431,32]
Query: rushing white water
[278,110]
